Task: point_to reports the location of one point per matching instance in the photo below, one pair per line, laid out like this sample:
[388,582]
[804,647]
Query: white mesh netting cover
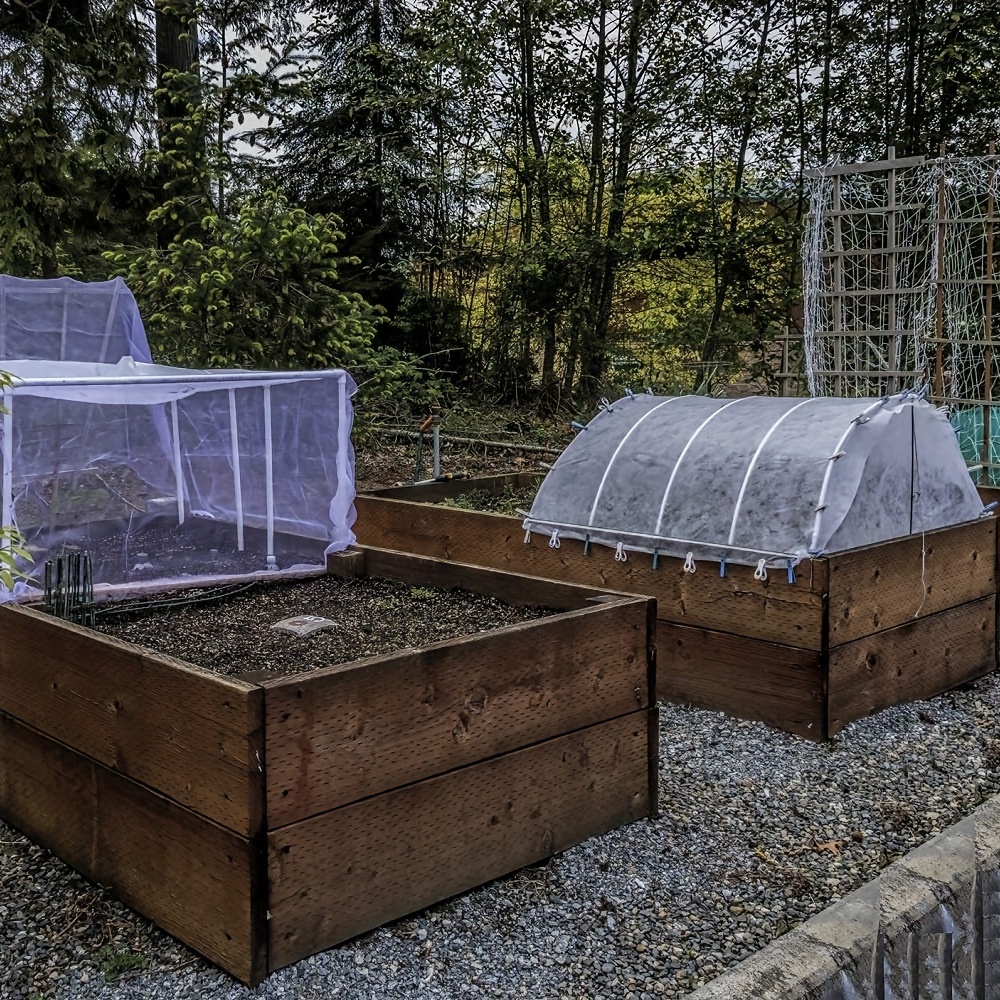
[65,320]
[166,475]
[743,480]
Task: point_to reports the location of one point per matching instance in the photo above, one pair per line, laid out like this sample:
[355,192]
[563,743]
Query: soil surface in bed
[232,634]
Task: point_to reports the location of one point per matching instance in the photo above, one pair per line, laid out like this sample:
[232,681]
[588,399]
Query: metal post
[234,439]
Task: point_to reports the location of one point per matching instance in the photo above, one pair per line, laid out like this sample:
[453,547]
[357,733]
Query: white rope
[554,542]
[689,564]
[760,573]
[620,554]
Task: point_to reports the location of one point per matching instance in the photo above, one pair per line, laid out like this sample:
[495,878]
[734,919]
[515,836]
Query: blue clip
[722,566]
[577,426]
[991,506]
[791,572]
[586,545]
[630,393]
[656,558]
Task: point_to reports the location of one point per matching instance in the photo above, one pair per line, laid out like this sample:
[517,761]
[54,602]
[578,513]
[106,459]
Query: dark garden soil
[233,635]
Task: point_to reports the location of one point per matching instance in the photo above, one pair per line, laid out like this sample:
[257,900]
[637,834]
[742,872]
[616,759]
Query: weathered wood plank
[346,871]
[357,729]
[514,588]
[189,875]
[912,661]
[773,610]
[881,586]
[182,730]
[447,489]
[780,685]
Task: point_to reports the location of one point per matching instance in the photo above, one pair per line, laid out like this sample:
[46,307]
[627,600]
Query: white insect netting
[758,481]
[66,320]
[166,475]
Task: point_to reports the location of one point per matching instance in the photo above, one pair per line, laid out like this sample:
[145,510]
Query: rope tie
[527,536]
[689,564]
[760,573]
[620,554]
[554,542]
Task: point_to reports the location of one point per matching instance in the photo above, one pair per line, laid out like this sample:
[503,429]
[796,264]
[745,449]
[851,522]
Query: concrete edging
[928,926]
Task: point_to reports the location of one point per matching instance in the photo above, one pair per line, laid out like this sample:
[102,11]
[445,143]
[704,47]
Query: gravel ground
[758,830]
[373,617]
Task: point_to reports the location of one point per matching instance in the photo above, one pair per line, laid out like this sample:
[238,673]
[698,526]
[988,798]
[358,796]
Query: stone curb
[924,926]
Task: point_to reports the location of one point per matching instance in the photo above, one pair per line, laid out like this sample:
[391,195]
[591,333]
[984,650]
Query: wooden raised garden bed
[857,632]
[263,819]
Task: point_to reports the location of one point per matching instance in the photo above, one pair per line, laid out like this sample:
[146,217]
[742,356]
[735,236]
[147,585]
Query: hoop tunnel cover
[757,477]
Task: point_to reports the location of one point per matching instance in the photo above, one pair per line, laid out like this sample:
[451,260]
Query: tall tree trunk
[594,350]
[712,341]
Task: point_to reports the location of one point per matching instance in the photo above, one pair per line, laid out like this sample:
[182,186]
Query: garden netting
[165,476]
[758,480]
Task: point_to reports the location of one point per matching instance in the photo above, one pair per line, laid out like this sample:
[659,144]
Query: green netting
[968,424]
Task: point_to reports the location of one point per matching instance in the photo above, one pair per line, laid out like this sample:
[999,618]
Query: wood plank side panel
[780,685]
[346,871]
[514,588]
[885,585]
[187,874]
[449,488]
[772,610]
[183,731]
[911,662]
[355,730]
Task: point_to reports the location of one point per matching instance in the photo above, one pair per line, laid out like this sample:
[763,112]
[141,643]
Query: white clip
[689,566]
[760,573]
[527,536]
[620,554]
[554,542]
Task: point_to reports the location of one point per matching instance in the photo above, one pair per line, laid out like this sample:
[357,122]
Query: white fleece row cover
[741,480]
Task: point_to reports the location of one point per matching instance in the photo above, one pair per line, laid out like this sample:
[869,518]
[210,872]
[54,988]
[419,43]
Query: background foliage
[537,201]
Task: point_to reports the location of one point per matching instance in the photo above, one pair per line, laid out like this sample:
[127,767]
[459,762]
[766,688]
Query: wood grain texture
[346,871]
[449,488]
[772,610]
[357,729]
[513,588]
[780,685]
[885,585]
[190,876]
[911,662]
[184,731]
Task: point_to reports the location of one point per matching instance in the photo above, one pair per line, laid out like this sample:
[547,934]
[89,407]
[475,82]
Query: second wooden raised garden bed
[858,631]
[260,820]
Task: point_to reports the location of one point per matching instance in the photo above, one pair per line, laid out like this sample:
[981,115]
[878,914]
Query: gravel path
[758,831]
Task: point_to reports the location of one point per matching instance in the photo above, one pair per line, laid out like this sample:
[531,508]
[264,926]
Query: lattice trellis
[900,287]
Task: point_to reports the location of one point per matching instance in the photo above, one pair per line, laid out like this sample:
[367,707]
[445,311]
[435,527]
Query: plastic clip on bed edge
[586,545]
[791,571]
[656,558]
